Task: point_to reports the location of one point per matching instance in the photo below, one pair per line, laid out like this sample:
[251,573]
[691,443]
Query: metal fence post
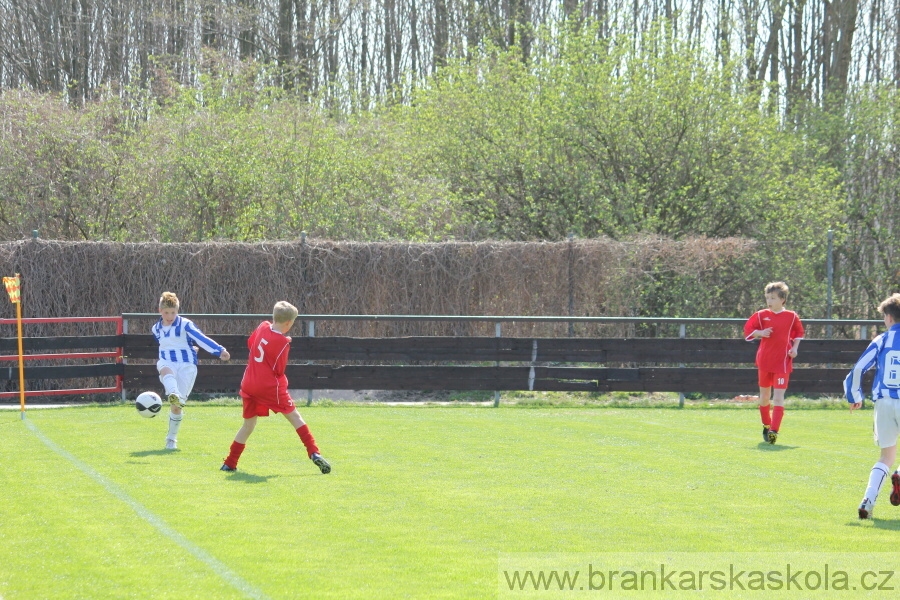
[571,282]
[682,331]
[497,364]
[829,267]
[124,359]
[311,329]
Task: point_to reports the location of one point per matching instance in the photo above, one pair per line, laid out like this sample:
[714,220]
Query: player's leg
[169,380]
[877,476]
[246,429]
[886,431]
[779,387]
[765,392]
[888,458]
[185,376]
[239,443]
[303,431]
[309,442]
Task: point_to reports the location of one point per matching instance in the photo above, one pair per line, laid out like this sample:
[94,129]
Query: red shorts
[257,407]
[779,381]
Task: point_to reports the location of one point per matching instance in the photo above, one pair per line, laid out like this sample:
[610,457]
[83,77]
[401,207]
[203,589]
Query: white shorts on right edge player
[887,422]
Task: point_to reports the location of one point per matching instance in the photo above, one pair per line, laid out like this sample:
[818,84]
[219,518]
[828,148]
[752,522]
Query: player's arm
[796,335]
[205,342]
[853,382]
[280,363]
[758,333]
[750,331]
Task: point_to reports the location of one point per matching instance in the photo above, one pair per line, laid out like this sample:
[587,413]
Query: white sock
[170,383]
[879,473]
[174,424]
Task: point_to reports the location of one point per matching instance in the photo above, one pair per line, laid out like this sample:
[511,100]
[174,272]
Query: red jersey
[772,355]
[264,379]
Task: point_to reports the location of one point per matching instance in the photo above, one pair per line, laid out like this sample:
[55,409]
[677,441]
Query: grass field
[422,502]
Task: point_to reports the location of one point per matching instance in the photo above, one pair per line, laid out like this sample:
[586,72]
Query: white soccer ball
[148,404]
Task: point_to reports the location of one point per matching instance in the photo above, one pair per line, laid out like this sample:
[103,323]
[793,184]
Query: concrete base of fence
[299,396]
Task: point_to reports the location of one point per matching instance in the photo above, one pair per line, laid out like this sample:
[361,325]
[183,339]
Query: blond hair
[169,300]
[778,287]
[891,306]
[284,312]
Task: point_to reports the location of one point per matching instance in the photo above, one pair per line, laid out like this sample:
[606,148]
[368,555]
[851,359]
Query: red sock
[307,438]
[777,415]
[235,454]
[764,413]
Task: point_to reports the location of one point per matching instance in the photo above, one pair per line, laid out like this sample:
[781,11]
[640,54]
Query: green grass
[422,501]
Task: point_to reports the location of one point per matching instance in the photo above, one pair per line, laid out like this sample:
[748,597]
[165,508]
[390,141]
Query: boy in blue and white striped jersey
[177,364]
[884,355]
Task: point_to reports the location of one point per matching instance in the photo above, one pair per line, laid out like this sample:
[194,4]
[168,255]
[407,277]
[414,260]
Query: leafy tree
[870,260]
[611,138]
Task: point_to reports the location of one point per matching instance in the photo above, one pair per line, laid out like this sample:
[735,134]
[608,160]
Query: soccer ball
[148,404]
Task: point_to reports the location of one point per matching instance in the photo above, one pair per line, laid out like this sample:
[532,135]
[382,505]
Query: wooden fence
[429,363]
[546,364]
[66,358]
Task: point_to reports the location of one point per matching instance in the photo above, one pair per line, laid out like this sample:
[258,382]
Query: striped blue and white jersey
[883,354]
[176,341]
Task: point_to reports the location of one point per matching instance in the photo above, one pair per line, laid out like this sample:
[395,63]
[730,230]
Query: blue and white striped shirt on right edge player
[883,354]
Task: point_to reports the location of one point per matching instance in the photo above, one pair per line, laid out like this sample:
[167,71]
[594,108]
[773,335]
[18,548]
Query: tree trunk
[441,33]
[307,14]
[770,52]
[839,26]
[795,72]
[209,25]
[897,43]
[285,41]
[248,26]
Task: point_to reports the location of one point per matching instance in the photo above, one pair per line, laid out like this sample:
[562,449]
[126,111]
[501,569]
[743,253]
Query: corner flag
[12,288]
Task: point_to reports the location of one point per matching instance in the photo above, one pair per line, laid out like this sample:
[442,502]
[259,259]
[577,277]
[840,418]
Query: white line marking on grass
[213,563]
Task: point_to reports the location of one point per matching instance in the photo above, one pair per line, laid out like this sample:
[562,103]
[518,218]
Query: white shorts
[185,375]
[887,422]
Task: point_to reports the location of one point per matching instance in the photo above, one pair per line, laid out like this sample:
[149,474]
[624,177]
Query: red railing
[116,354]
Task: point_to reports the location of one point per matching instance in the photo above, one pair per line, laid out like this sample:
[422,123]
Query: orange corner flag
[12,288]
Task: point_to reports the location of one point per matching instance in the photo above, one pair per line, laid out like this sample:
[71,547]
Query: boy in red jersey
[779,331]
[264,387]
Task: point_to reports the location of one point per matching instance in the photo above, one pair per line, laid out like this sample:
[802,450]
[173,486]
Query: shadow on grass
[245,477]
[893,525]
[158,452]
[766,447]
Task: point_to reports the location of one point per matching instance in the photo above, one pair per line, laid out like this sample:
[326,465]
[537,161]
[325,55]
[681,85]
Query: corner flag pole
[12,288]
